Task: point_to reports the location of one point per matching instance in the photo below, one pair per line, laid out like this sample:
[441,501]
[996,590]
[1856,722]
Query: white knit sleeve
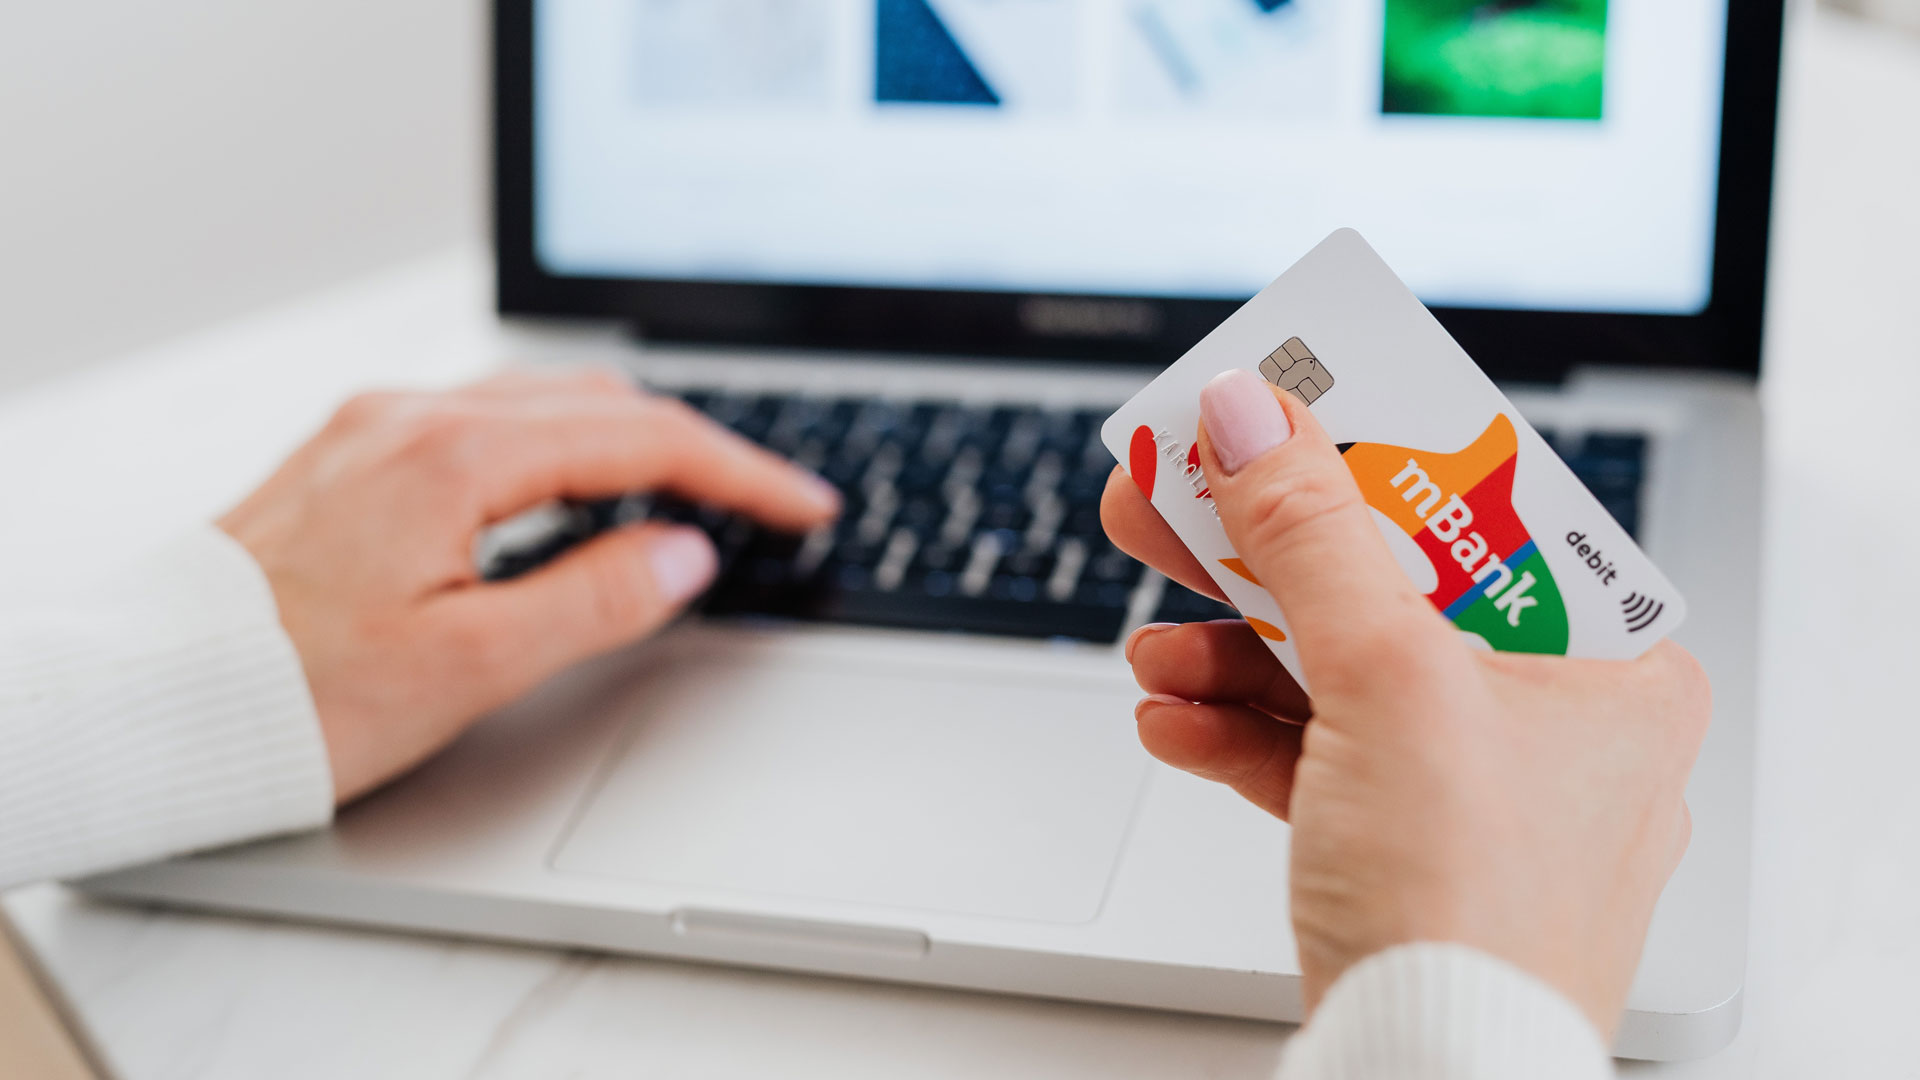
[158,712]
[1444,1012]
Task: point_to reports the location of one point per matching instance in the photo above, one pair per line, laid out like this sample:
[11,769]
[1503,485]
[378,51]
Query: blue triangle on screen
[916,59]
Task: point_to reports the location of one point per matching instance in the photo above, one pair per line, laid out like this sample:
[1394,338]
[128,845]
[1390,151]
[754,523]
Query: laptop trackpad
[937,788]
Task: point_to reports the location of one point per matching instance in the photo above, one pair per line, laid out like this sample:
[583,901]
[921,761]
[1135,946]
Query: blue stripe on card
[1459,607]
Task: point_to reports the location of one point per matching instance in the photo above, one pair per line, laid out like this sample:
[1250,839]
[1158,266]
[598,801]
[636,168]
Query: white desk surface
[134,450]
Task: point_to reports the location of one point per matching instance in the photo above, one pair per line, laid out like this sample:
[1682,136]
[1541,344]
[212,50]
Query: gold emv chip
[1295,369]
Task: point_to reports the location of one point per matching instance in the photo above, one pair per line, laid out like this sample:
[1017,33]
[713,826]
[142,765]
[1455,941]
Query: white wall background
[166,165]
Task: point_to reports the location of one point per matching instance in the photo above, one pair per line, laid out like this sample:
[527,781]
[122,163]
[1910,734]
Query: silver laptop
[925,246]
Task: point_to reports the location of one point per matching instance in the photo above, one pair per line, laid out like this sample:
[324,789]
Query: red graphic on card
[1143,459]
[1193,469]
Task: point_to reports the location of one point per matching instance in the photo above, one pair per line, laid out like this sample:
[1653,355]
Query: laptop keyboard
[977,519]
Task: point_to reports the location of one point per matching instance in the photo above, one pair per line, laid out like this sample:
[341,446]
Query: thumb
[1294,513]
[611,591]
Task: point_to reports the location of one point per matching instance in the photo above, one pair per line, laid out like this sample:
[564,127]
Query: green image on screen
[1542,59]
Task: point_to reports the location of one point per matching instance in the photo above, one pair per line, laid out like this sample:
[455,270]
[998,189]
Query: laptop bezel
[1518,345]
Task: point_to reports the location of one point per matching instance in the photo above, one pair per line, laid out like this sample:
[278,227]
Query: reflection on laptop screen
[1555,154]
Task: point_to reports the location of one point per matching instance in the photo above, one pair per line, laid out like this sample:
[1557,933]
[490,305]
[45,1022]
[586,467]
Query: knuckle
[685,437]
[1380,646]
[366,409]
[673,414]
[1281,505]
[1410,648]
[1198,652]
[445,444]
[604,380]
[443,435]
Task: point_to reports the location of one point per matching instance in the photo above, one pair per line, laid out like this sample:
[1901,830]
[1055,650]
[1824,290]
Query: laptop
[925,247]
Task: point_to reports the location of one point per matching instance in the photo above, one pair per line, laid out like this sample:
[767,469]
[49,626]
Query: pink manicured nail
[1165,699]
[1134,638]
[684,563]
[824,493]
[1243,418]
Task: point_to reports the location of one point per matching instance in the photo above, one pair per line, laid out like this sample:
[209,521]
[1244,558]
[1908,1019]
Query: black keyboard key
[922,475]
[1038,565]
[1621,447]
[921,514]
[844,471]
[940,557]
[1065,433]
[797,420]
[733,542]
[855,551]
[769,558]
[1613,466]
[1008,511]
[1084,522]
[721,406]
[676,511]
[1015,587]
[607,514]
[1084,488]
[1104,594]
[754,417]
[974,615]
[1005,485]
[1114,565]
[1625,510]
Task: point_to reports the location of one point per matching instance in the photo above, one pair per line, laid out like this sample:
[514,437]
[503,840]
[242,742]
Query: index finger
[596,448]
[1136,528]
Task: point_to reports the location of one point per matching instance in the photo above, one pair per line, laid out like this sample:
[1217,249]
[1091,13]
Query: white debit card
[1480,512]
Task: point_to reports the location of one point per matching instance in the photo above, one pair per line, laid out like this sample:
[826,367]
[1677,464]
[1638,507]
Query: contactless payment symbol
[1492,579]
[1641,611]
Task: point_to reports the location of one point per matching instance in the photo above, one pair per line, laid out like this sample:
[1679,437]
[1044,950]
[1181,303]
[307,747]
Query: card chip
[1295,369]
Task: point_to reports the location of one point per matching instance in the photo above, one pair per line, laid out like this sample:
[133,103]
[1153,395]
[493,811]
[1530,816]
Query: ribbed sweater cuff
[1445,1012]
[163,712]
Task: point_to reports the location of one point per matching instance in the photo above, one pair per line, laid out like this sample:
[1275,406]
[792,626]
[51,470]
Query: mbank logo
[1492,579]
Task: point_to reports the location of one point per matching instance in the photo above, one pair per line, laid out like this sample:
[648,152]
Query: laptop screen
[1557,155]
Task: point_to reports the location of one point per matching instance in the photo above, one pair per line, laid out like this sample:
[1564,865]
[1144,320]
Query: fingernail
[1243,418]
[824,493]
[1133,639]
[684,563]
[1160,699]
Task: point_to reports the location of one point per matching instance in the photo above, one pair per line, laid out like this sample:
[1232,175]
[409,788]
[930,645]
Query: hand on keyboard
[366,536]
